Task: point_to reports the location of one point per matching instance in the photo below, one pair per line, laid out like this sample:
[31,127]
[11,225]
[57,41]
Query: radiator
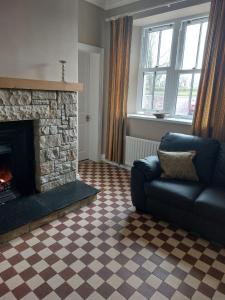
[139,148]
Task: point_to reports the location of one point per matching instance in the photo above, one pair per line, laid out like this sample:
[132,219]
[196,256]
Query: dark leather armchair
[195,206]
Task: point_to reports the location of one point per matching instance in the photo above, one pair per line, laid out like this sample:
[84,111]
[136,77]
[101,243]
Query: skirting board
[103,159]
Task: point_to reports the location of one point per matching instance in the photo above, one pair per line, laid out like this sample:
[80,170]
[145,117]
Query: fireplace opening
[8,190]
[16,160]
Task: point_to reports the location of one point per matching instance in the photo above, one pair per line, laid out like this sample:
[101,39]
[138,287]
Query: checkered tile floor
[108,251]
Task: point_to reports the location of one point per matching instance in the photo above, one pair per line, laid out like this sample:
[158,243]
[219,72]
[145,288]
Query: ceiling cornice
[110,4]
[100,3]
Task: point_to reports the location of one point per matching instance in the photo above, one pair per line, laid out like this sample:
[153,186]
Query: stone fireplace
[53,118]
[38,154]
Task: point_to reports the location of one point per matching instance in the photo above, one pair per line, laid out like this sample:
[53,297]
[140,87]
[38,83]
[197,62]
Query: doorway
[90,73]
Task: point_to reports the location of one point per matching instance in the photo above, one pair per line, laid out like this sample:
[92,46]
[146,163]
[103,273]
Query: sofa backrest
[206,152]
[219,174]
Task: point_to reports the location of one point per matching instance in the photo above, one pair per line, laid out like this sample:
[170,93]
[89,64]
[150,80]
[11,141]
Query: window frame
[156,69]
[175,68]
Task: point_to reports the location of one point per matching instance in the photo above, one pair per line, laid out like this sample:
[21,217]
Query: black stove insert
[16,160]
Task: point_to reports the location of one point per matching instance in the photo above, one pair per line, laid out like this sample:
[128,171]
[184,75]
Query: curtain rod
[144,10]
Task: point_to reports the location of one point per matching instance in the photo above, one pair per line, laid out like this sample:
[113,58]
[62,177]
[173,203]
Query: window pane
[183,97]
[159,93]
[165,47]
[147,91]
[202,44]
[194,94]
[153,38]
[191,46]
[153,45]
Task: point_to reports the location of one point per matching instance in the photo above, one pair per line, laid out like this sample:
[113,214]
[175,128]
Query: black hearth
[16,160]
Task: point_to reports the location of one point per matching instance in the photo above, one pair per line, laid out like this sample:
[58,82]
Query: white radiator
[139,148]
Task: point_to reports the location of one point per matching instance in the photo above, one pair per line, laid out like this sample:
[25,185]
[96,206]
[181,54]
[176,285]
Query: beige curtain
[121,33]
[209,120]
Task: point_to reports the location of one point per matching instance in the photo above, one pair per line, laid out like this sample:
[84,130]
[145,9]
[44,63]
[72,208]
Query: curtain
[120,43]
[209,120]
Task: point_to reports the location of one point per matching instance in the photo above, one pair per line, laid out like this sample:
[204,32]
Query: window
[170,67]
[190,64]
[156,61]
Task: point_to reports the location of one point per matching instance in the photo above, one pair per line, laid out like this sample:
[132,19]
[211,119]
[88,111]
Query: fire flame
[5,175]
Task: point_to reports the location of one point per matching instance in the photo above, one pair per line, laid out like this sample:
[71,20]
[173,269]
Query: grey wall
[34,35]
[153,130]
[138,127]
[91,24]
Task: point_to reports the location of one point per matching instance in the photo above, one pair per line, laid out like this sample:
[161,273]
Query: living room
[112,157]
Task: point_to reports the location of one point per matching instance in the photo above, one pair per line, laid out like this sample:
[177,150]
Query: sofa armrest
[149,166]
[143,170]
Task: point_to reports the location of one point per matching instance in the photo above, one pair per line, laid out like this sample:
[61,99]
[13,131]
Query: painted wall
[35,35]
[91,24]
[147,129]
[153,130]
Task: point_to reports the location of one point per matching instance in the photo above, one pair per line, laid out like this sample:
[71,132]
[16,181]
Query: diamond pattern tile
[107,250]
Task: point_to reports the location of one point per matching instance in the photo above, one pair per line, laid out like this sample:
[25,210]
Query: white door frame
[95,132]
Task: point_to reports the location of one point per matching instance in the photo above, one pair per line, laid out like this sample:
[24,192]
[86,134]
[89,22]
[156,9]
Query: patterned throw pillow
[178,165]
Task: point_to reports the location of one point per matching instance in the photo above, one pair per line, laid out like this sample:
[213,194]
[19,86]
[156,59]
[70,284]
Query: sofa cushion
[211,204]
[219,175]
[176,193]
[178,165]
[206,152]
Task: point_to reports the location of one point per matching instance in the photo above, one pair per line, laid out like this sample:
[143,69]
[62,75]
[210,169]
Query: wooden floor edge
[8,236]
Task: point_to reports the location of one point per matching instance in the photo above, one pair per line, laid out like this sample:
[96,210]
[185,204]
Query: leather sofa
[198,207]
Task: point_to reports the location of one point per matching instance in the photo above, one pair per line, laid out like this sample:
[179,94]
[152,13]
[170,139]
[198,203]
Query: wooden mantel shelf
[43,85]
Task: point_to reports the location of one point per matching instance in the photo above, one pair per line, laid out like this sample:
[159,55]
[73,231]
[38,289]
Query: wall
[148,129]
[91,24]
[154,130]
[35,35]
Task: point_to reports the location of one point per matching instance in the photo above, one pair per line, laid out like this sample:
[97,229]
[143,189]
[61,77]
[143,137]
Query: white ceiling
[109,4]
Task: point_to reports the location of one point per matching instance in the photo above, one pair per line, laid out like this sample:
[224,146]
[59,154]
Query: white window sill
[166,120]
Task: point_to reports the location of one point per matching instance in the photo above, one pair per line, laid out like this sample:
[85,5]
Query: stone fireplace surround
[52,107]
[54,114]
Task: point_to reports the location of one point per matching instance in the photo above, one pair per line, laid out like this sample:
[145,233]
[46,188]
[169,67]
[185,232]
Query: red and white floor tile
[106,250]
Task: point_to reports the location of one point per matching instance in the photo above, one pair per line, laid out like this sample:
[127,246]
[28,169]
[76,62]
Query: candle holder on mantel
[63,62]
